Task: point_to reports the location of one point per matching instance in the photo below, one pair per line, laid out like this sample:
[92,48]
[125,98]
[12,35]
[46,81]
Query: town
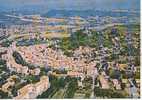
[70,58]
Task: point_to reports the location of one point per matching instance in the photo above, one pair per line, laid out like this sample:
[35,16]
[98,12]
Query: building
[116,84]
[104,82]
[31,91]
[10,82]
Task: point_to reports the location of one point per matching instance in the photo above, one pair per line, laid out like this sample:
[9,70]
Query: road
[102,27]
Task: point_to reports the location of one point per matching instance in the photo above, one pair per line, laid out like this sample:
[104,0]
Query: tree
[62,82]
[14,91]
[2,62]
[4,95]
[72,87]
[117,95]
[6,43]
[18,58]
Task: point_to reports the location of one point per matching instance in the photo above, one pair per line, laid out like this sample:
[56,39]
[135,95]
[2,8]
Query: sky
[69,4]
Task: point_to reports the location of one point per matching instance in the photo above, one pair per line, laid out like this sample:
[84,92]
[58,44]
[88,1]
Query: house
[116,84]
[104,82]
